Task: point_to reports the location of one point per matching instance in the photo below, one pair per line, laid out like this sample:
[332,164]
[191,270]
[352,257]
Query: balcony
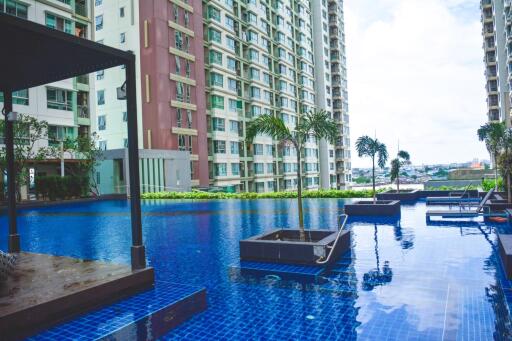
[81,8]
[83,111]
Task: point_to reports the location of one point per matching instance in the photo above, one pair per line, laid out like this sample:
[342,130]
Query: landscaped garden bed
[286,246]
[373,208]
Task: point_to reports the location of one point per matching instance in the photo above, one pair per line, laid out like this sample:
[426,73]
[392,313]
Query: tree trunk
[299,197]
[373,181]
[398,182]
[496,172]
[509,198]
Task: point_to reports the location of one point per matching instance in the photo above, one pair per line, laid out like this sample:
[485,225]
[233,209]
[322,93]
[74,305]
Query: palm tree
[492,134]
[373,148]
[402,159]
[315,123]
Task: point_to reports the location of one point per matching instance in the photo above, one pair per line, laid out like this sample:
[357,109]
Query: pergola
[34,55]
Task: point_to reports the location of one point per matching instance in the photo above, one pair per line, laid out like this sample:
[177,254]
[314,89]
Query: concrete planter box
[404,195]
[368,208]
[284,246]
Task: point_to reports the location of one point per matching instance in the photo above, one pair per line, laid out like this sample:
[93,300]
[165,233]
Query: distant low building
[469,174]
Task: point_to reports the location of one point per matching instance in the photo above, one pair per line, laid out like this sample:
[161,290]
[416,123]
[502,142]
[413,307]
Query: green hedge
[487,184]
[269,195]
[450,188]
[56,187]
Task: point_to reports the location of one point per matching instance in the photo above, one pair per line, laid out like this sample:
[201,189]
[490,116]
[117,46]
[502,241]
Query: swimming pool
[403,280]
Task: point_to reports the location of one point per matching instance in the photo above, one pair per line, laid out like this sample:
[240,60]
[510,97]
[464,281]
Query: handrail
[341,227]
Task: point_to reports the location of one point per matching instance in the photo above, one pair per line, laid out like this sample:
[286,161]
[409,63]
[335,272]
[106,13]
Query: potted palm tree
[292,245]
[403,158]
[377,152]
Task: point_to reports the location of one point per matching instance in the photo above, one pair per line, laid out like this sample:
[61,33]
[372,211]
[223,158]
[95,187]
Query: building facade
[66,105]
[207,68]
[496,28]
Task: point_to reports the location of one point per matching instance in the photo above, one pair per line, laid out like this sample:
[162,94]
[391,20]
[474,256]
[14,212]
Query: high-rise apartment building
[65,105]
[496,29]
[208,68]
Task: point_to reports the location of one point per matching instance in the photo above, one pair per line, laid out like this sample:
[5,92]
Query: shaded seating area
[45,289]
[461,212]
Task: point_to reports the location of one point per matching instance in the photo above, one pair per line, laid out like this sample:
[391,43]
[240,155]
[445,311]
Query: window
[216,79]
[254,55]
[100,75]
[98,2]
[179,91]
[14,8]
[232,105]
[215,57]
[102,145]
[255,92]
[59,99]
[179,118]
[220,169]
[258,149]
[230,23]
[231,64]
[178,64]
[234,126]
[121,12]
[230,42]
[99,22]
[122,38]
[254,73]
[186,18]
[101,97]
[214,35]
[232,84]
[217,102]
[255,111]
[189,119]
[270,149]
[213,13]
[178,40]
[219,147]
[59,23]
[235,168]
[125,143]
[102,122]
[259,168]
[125,116]
[270,168]
[219,124]
[234,148]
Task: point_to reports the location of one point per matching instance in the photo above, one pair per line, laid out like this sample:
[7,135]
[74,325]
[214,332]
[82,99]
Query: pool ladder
[342,221]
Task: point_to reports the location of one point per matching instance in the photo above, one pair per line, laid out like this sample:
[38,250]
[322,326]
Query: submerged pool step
[145,316]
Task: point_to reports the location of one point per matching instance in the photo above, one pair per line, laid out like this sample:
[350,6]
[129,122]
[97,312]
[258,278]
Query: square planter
[368,208]
[403,195]
[284,246]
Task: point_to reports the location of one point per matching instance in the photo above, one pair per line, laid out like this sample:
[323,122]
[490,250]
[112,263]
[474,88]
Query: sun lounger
[453,198]
[461,212]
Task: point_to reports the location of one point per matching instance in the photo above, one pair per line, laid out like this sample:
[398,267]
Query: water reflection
[376,277]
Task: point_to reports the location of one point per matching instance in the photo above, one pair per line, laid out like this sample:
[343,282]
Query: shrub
[487,184]
[55,187]
[199,195]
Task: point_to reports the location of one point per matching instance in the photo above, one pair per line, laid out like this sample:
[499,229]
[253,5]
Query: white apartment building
[65,105]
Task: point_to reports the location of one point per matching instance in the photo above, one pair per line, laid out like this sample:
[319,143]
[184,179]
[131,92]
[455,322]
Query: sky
[416,77]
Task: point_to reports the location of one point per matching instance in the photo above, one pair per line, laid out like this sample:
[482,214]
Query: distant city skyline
[417,79]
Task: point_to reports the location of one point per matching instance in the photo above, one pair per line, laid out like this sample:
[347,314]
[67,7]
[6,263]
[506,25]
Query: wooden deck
[46,289]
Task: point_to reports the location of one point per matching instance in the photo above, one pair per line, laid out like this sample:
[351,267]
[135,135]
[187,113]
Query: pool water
[404,279]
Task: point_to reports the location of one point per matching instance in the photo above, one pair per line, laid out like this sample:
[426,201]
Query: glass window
[219,147]
[99,22]
[220,169]
[232,105]
[232,84]
[59,23]
[231,64]
[101,97]
[258,149]
[14,8]
[230,23]
[219,124]
[59,99]
[122,38]
[100,75]
[213,13]
[125,116]
[259,168]
[215,57]
[214,35]
[121,12]
[98,2]
[235,168]
[234,126]
[102,122]
[217,102]
[216,79]
[234,147]
[102,145]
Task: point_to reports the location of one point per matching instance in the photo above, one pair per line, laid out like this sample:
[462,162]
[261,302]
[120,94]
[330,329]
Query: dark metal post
[137,251]
[14,237]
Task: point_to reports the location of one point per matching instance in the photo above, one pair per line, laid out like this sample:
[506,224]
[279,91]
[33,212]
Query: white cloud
[416,74]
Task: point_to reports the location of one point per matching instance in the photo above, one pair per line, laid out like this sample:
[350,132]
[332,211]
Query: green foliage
[362,180]
[55,187]
[488,184]
[199,195]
